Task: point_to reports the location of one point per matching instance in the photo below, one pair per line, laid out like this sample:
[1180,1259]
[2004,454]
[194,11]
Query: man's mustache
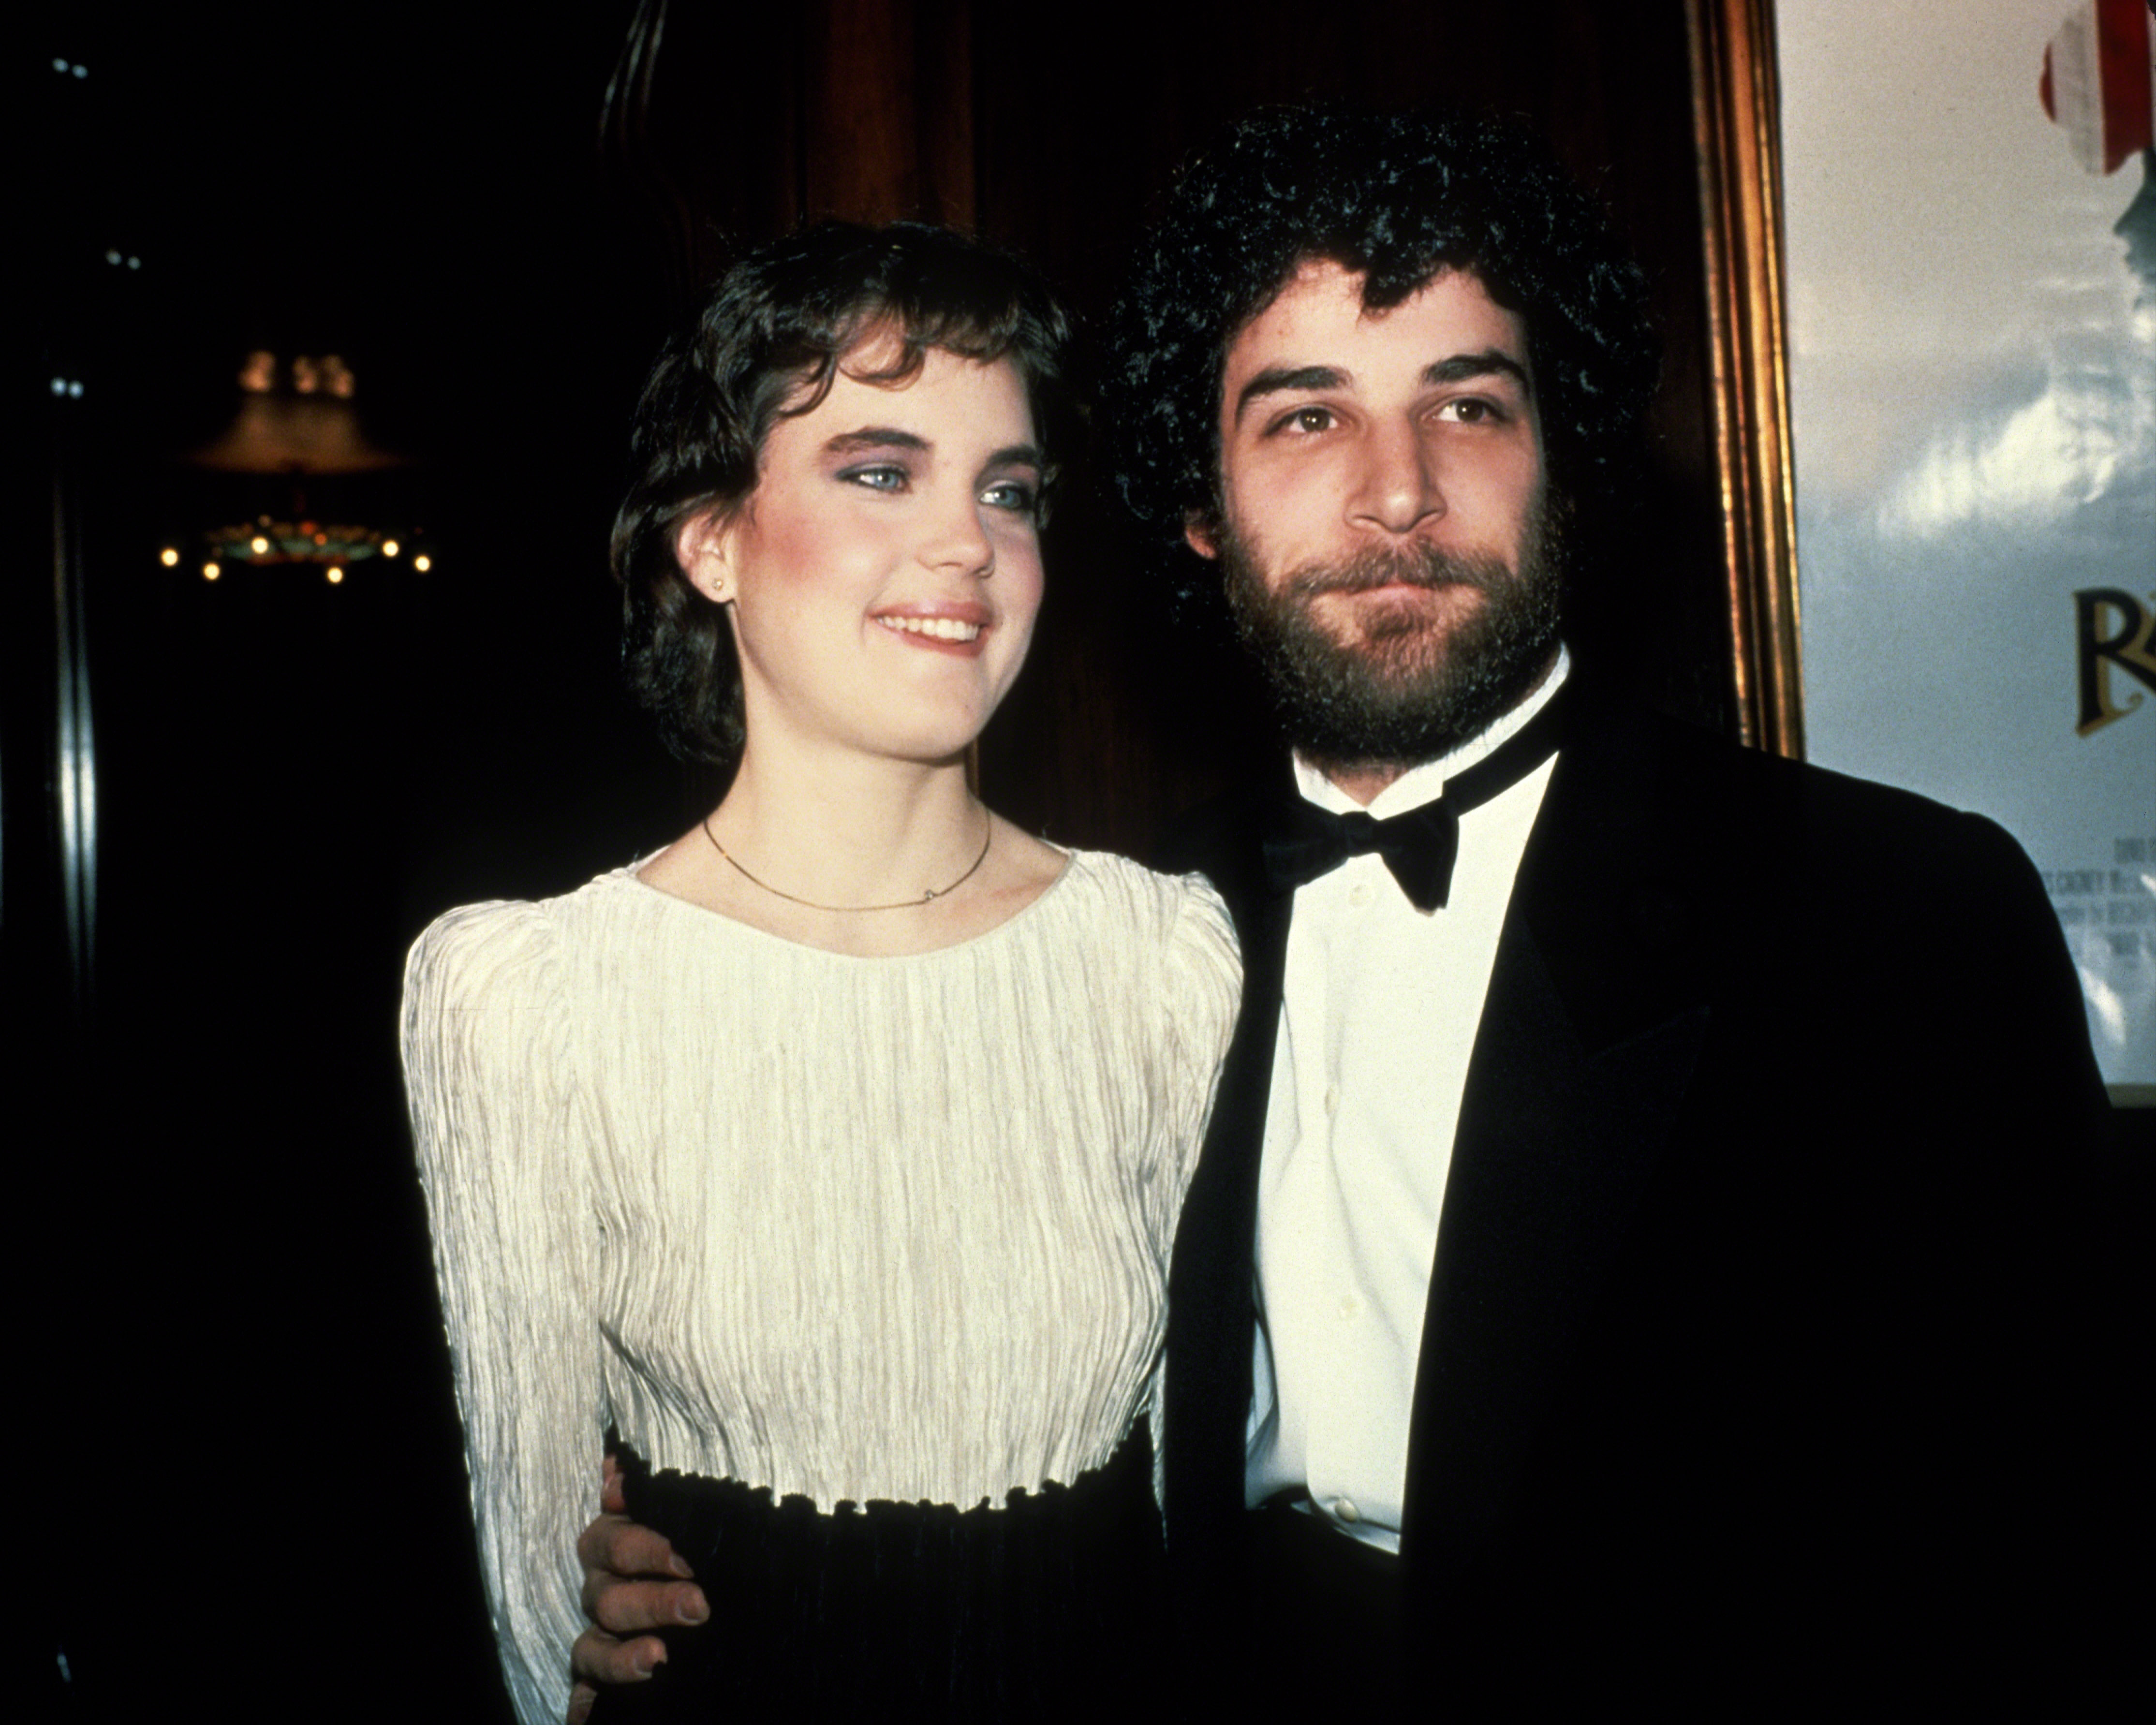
[1424,566]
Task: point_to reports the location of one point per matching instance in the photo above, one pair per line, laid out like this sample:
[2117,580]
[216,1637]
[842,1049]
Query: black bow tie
[1420,845]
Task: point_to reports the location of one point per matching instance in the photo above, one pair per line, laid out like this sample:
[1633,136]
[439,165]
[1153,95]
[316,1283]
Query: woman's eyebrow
[1015,455]
[876,437]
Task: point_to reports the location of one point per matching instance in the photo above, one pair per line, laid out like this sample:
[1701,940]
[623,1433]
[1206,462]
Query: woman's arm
[485,1062]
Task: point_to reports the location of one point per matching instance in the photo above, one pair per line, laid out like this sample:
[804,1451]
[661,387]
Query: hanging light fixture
[297,425]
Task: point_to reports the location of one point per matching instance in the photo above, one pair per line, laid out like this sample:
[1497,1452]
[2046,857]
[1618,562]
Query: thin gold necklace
[928,897]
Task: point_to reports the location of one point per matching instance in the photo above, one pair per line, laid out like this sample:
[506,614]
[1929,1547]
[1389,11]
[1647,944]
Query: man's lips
[1391,592]
[1432,573]
[1358,589]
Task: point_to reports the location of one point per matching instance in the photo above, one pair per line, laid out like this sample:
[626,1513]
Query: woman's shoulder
[1174,894]
[1177,951]
[1181,911]
[494,954]
[501,947]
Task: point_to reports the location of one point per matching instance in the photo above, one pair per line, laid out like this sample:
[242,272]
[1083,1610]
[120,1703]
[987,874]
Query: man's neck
[1363,780]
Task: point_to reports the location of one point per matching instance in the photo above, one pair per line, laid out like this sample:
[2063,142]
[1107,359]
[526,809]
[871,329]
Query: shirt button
[1344,1507]
[1358,895]
[1350,1306]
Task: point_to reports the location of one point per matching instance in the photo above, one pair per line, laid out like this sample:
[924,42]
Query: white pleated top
[852,1228]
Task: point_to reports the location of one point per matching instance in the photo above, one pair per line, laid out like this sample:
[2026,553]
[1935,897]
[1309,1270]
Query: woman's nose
[959,540]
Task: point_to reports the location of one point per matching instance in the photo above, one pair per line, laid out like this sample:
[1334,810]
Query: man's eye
[1307,419]
[1470,410]
[879,478]
[1015,495]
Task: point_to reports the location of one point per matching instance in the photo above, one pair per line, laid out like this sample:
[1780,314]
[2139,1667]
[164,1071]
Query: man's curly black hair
[1397,199]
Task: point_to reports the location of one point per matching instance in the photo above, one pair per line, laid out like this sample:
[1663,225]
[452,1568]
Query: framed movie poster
[1971,295]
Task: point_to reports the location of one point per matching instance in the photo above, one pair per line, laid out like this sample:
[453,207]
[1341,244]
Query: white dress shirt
[1379,1014]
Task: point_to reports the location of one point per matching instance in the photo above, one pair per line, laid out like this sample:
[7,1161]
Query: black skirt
[1048,1608]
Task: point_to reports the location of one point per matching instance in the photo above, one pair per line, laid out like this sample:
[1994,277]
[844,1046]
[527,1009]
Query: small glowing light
[75,388]
[257,545]
[389,547]
[59,65]
[59,386]
[134,263]
[169,557]
[210,571]
[259,377]
[335,574]
[112,256]
[423,562]
[321,539]
[80,71]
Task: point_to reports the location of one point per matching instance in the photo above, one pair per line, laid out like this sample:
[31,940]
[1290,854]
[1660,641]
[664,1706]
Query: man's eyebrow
[1456,368]
[1461,366]
[1276,380]
[876,437]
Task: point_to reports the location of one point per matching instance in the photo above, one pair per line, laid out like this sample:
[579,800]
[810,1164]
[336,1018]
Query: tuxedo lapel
[1596,1010]
[1212,1277]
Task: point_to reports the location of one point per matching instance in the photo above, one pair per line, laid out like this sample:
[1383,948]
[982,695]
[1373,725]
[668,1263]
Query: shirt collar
[1425,784]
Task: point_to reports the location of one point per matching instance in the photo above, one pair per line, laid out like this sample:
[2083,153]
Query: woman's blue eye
[1011,495]
[876,478]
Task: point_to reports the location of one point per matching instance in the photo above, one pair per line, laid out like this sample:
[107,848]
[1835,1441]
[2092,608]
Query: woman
[831,1156]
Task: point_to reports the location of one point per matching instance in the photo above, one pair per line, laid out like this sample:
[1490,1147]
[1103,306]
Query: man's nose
[1397,489]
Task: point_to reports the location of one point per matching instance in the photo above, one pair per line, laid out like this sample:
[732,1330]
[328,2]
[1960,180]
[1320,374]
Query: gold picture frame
[1736,134]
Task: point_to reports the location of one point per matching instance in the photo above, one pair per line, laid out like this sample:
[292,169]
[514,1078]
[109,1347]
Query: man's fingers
[620,1546]
[598,1657]
[582,1698]
[629,1607]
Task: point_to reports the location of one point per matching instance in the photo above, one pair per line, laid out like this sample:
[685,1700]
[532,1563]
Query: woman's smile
[961,629]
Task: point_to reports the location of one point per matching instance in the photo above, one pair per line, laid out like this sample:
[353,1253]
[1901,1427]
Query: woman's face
[885,573]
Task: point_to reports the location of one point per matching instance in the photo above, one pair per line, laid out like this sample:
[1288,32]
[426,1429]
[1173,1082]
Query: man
[1644,1249]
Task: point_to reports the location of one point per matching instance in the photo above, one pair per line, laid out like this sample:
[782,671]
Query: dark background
[250,1495]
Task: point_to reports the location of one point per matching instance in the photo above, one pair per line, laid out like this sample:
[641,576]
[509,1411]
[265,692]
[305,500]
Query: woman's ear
[704,547]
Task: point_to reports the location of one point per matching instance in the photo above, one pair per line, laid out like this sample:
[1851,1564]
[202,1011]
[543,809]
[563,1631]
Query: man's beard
[1409,686]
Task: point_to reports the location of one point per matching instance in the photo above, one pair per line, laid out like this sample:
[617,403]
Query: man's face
[1384,537]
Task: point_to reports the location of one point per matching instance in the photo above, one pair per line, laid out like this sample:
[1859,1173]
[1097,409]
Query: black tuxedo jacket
[1768,1356]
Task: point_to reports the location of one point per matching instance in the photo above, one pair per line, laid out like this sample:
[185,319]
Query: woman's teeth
[941,629]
